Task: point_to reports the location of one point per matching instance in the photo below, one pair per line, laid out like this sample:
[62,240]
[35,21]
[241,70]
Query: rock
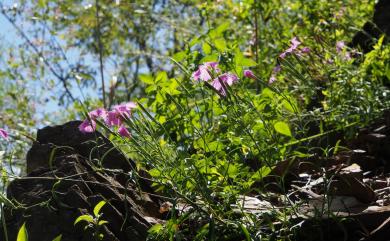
[67,138]
[380,25]
[65,181]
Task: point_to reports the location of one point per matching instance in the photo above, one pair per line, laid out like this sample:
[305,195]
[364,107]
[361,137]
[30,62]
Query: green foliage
[201,147]
[94,221]
[58,238]
[22,233]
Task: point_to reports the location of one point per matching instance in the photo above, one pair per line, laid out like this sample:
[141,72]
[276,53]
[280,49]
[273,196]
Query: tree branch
[61,78]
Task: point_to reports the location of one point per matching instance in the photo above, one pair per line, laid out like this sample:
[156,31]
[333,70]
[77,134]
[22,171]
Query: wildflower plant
[237,100]
[198,132]
[208,138]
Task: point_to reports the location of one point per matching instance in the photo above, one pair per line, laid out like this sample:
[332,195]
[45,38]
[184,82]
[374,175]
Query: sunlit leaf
[282,128]
[98,207]
[220,44]
[147,79]
[58,238]
[206,48]
[22,234]
[86,217]
[102,222]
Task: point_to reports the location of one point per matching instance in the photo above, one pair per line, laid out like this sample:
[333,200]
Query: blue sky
[10,37]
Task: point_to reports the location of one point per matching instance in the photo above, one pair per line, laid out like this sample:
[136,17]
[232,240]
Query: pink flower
[347,56]
[277,69]
[305,50]
[294,45]
[213,66]
[124,109]
[204,70]
[340,45]
[122,131]
[3,133]
[272,79]
[227,79]
[249,74]
[218,86]
[119,112]
[87,126]
[113,118]
[100,112]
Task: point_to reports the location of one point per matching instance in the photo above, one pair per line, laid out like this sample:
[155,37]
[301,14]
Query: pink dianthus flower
[3,133]
[204,71]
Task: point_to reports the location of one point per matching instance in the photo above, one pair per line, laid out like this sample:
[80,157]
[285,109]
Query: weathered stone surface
[66,183]
[380,25]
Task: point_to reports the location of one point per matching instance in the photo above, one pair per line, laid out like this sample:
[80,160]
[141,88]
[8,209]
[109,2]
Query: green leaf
[288,106]
[85,217]
[154,172]
[22,234]
[102,222]
[220,44]
[58,238]
[96,210]
[217,32]
[161,77]
[261,173]
[206,48]
[223,27]
[282,128]
[378,45]
[194,42]
[147,79]
[214,146]
[240,59]
[42,3]
[248,62]
[246,232]
[209,58]
[180,56]
[155,228]
[212,234]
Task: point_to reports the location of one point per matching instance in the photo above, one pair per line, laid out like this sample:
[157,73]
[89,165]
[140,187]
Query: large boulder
[372,30]
[68,174]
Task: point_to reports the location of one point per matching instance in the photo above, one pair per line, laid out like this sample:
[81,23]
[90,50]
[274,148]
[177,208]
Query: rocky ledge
[68,174]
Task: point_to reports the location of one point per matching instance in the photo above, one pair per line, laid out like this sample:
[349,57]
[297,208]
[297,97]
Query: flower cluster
[275,71]
[294,49]
[341,49]
[340,45]
[112,118]
[207,70]
[3,133]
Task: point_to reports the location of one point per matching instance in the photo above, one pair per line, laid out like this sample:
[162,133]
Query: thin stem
[100,49]
[256,42]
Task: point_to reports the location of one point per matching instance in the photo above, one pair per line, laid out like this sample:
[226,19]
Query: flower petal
[249,74]
[100,112]
[3,133]
[87,126]
[122,131]
[218,86]
[113,118]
